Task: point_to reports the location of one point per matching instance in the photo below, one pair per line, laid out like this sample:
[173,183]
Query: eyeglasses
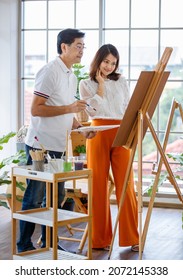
[80,47]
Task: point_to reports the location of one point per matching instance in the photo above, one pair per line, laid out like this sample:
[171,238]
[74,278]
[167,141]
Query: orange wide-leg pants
[100,155]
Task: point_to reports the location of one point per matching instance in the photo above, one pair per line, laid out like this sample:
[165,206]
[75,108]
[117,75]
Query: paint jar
[67,166]
[78,165]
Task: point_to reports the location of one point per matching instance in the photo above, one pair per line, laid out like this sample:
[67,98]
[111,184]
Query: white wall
[8,68]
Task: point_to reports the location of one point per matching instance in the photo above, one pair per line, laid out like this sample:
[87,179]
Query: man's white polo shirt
[58,85]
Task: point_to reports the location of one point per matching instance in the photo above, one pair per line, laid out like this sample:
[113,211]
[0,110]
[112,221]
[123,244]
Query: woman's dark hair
[100,56]
[67,36]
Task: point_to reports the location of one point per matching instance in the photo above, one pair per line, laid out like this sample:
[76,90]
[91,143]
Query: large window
[139,29]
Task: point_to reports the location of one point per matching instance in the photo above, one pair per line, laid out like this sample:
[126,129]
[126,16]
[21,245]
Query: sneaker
[58,247]
[26,249]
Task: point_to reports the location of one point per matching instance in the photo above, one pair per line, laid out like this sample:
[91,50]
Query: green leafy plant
[80,149]
[162,178]
[80,74]
[5,178]
[178,158]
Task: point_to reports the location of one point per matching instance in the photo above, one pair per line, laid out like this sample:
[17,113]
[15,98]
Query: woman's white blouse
[113,103]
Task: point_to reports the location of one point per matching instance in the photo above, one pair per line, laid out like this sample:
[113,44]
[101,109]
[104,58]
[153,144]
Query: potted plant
[80,150]
[78,70]
[5,178]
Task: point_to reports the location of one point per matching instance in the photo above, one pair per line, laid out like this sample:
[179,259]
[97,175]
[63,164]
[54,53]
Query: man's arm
[41,109]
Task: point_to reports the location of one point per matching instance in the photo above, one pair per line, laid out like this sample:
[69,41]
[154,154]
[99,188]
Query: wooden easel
[132,130]
[157,171]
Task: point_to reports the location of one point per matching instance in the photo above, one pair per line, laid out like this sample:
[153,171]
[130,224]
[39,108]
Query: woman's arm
[88,92]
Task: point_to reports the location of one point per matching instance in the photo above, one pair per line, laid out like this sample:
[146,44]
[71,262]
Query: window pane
[28,86]
[144,51]
[171,13]
[120,40]
[174,145]
[34,51]
[52,44]
[87,14]
[154,118]
[61,14]
[114,17]
[147,172]
[173,38]
[171,91]
[145,13]
[92,44]
[149,149]
[33,18]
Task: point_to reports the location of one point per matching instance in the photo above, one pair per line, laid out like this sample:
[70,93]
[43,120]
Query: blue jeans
[35,197]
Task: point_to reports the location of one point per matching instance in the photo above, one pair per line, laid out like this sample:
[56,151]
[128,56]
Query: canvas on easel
[134,125]
[128,125]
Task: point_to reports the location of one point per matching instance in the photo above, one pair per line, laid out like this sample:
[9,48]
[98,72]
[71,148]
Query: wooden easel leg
[162,159]
[149,212]
[139,185]
[181,111]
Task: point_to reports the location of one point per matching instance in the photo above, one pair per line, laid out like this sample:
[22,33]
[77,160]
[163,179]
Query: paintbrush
[86,104]
[42,147]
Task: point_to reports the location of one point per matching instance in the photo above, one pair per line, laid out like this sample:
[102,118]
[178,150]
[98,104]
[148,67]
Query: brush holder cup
[38,165]
[56,165]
